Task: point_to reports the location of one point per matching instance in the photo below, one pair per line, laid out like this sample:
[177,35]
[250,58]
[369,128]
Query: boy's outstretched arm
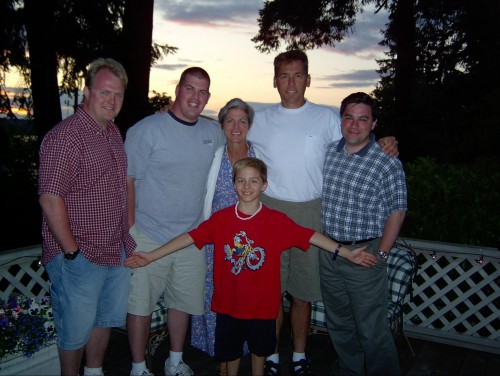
[357,256]
[144,258]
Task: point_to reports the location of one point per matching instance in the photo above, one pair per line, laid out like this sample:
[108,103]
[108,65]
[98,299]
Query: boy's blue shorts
[86,296]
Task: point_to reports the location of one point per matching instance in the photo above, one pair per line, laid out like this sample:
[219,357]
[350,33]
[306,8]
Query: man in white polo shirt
[291,137]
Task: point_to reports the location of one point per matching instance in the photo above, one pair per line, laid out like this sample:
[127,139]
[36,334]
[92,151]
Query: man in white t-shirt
[291,137]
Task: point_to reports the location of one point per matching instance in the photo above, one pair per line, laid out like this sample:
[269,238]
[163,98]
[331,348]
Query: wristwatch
[383,254]
[71,255]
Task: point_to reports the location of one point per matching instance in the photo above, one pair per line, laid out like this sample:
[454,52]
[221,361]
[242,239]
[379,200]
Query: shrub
[453,203]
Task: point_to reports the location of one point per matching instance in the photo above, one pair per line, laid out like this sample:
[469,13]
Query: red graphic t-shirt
[247,259]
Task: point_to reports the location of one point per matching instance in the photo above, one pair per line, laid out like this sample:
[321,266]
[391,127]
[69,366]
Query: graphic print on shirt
[243,254]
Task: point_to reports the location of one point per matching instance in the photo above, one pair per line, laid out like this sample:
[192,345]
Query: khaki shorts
[180,277]
[299,269]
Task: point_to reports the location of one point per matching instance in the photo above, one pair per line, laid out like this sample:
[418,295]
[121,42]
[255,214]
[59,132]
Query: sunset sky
[216,35]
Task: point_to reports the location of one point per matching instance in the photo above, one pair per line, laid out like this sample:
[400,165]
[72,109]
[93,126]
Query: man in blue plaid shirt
[364,202]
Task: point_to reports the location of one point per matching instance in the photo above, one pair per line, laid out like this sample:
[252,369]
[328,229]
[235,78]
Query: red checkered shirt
[86,166]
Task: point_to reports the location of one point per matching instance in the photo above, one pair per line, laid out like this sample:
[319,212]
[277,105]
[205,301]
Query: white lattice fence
[22,274]
[456,296]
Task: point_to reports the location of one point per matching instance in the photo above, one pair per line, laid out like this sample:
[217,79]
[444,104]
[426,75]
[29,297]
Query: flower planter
[44,362]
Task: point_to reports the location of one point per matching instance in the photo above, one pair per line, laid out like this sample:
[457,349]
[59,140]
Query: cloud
[362,43]
[353,79]
[181,65]
[353,56]
[210,12]
[171,67]
[366,36]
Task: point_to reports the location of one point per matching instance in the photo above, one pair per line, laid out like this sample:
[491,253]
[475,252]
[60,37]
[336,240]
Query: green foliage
[304,24]
[85,30]
[18,184]
[24,102]
[13,43]
[457,203]
[158,51]
[159,101]
[12,48]
[444,110]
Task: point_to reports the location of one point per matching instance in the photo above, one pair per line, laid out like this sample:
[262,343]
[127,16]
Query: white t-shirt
[292,142]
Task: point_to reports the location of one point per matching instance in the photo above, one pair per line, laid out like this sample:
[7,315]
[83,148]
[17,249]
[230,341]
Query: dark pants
[355,300]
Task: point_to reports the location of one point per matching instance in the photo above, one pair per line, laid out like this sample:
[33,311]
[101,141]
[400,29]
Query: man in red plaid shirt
[83,195]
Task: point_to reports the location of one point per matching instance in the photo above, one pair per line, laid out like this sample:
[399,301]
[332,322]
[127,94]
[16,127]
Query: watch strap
[383,254]
[71,255]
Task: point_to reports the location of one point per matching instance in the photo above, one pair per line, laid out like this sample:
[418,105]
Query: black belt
[354,241]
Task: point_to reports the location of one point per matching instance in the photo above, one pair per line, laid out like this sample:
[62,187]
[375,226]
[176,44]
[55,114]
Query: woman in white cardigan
[235,119]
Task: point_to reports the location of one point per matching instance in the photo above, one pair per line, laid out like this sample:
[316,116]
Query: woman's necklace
[246,218]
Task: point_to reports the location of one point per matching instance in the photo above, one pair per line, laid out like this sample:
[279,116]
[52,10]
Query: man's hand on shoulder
[389,146]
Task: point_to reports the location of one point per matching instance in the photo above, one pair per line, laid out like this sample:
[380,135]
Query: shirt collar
[180,120]
[362,152]
[91,123]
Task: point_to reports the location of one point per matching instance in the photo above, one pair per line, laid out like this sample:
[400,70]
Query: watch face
[71,255]
[383,254]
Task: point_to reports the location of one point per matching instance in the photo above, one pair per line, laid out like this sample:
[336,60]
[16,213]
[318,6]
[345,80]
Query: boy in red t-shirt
[249,239]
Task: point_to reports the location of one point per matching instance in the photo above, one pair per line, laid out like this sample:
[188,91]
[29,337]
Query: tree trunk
[136,58]
[404,80]
[43,64]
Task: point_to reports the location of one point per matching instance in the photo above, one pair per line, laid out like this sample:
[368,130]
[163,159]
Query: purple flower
[26,324]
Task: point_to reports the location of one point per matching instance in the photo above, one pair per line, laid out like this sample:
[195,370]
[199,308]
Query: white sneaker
[86,372]
[145,372]
[182,369]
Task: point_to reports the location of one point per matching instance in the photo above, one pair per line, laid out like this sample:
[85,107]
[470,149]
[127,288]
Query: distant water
[257,106]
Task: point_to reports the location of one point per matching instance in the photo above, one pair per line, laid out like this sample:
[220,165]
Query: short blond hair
[256,163]
[105,63]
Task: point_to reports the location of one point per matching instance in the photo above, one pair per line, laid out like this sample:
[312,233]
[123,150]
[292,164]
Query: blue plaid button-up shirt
[360,191]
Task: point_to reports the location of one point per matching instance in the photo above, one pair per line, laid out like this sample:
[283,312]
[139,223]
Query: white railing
[21,273]
[456,293]
[456,296]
